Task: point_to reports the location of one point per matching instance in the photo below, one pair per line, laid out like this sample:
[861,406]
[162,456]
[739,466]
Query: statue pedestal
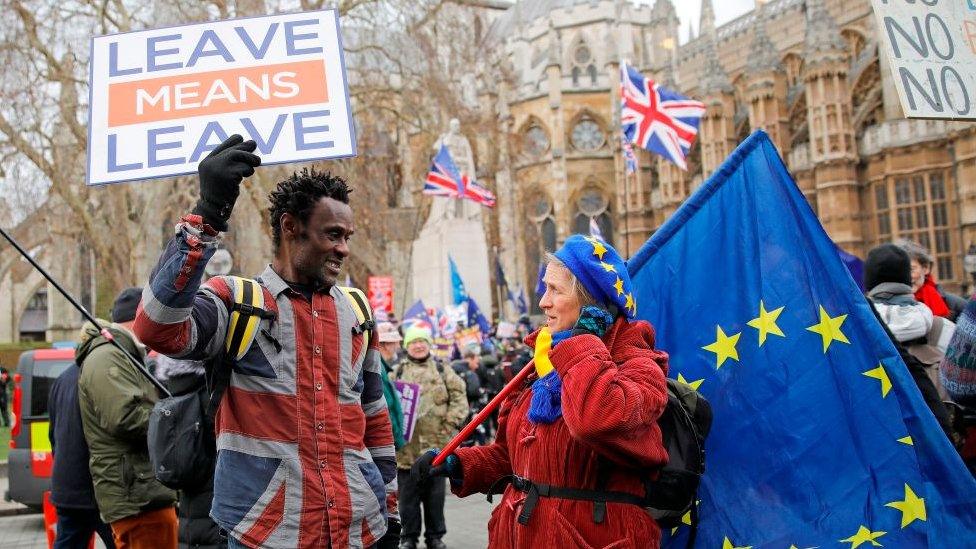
[464,240]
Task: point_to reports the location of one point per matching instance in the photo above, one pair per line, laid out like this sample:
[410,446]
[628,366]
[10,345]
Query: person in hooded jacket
[115,401]
[584,426]
[908,323]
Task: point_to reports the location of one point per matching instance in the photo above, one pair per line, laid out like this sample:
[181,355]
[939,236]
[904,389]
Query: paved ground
[467,524]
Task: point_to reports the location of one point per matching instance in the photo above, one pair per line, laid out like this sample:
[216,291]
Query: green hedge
[10,352]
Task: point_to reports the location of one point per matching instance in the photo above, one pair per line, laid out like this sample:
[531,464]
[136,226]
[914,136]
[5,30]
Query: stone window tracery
[587,136]
[535,141]
[593,204]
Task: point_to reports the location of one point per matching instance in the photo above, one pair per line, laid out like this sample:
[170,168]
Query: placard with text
[162,99]
[931,51]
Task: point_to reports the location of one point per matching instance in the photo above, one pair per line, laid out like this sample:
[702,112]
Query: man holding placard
[305,449]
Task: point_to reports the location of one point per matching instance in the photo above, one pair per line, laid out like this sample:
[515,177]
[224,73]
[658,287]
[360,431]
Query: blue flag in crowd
[475,317]
[820,436]
[416,315]
[521,305]
[500,274]
[540,285]
[456,283]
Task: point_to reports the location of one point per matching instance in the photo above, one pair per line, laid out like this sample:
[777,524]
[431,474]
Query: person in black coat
[72,492]
[197,530]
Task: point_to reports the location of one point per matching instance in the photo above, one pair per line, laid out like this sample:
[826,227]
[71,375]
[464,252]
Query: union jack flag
[444,179]
[656,118]
[630,158]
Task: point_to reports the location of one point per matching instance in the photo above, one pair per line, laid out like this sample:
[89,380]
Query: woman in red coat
[584,427]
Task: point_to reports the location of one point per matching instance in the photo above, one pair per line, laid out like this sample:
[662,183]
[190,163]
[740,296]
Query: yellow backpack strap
[363,314]
[245,316]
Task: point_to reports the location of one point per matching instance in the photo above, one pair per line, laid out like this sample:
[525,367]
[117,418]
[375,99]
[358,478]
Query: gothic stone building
[808,72]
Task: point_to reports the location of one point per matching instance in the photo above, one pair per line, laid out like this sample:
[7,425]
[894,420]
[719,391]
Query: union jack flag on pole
[658,119]
[444,179]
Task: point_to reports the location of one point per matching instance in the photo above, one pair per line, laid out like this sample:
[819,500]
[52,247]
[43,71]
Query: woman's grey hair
[915,251]
[584,296]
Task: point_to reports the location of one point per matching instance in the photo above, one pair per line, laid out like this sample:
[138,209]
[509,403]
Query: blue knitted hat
[601,270]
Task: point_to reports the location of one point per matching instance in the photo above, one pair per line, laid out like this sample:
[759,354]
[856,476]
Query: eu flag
[820,437]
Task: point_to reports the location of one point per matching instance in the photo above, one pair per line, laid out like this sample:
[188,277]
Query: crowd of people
[311,445]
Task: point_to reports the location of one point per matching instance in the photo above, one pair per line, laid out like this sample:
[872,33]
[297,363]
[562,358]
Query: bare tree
[405,64]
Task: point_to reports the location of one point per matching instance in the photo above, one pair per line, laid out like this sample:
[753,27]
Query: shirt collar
[276,285]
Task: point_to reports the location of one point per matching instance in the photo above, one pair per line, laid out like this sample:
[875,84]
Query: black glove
[423,469]
[391,539]
[221,173]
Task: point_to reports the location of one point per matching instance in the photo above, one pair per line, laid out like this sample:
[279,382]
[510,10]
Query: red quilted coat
[613,392]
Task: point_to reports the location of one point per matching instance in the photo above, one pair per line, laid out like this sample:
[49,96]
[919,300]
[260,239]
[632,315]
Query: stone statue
[460,149]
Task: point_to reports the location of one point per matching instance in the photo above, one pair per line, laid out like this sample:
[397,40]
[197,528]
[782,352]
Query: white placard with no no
[931,47]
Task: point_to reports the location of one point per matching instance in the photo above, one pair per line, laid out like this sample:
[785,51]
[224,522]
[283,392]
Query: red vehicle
[30,460]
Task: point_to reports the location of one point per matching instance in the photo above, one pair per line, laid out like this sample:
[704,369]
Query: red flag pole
[483,414]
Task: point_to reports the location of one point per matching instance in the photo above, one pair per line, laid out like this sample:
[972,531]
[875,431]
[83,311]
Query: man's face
[388,349]
[323,242]
[418,349]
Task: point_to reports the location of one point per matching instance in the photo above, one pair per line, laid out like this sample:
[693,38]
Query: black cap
[124,308]
[887,263]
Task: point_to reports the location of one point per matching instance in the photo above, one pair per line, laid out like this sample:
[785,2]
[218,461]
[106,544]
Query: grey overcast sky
[689,10]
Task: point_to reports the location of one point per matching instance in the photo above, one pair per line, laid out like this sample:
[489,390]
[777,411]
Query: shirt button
[322,464]
[318,350]
[318,386]
[315,314]
[331,503]
[319,426]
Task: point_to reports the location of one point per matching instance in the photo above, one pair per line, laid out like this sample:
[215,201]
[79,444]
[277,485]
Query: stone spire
[822,36]
[691,31]
[713,77]
[762,54]
[555,46]
[706,24]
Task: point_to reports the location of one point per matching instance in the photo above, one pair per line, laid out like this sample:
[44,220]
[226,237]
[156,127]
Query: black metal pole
[101,329]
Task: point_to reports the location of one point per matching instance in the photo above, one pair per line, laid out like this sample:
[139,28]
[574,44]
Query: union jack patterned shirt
[304,446]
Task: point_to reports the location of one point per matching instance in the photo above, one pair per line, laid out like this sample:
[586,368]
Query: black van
[30,459]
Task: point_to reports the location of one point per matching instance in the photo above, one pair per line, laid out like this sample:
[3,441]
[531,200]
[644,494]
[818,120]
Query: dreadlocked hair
[298,195]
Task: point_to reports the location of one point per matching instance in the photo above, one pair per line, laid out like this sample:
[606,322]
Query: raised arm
[175,317]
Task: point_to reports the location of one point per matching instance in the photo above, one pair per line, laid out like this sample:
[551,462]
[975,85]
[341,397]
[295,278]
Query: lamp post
[969,262]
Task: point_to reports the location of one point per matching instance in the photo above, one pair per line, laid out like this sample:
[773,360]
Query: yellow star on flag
[723,347]
[912,507]
[766,323]
[907,440]
[598,248]
[864,535]
[630,304]
[685,518]
[694,385]
[619,286]
[608,267]
[727,544]
[880,374]
[829,329]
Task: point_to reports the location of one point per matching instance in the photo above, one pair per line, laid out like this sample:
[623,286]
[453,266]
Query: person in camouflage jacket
[442,408]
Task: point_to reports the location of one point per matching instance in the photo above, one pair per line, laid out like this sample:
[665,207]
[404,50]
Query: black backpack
[182,446]
[684,425]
